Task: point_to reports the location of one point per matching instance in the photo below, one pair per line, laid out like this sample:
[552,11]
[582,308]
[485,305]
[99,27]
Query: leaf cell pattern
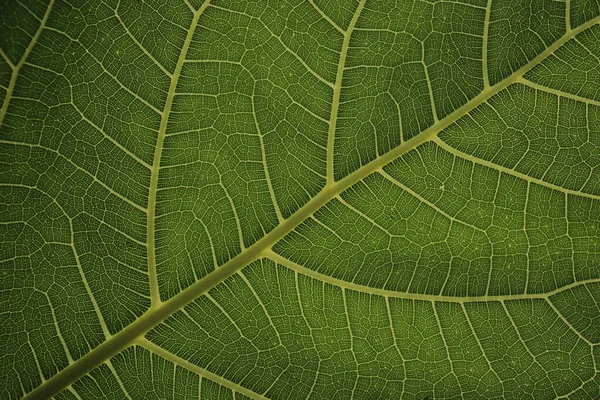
[300,199]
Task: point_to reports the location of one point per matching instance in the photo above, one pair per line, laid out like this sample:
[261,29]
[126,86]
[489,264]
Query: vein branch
[164,121]
[337,89]
[175,359]
[17,68]
[510,171]
[414,296]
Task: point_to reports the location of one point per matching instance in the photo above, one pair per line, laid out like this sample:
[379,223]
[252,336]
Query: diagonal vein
[337,89]
[164,122]
[17,67]
[559,93]
[167,355]
[414,296]
[161,311]
[509,171]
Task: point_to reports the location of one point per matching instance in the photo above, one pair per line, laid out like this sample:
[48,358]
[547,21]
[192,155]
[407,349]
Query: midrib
[262,247]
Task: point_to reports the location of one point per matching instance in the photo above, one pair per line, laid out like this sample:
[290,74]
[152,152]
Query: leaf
[300,199]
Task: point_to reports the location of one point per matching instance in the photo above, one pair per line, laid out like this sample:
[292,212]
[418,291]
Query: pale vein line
[213,252]
[586,48]
[439,324]
[566,322]
[429,86]
[118,378]
[567,396]
[329,229]
[509,171]
[230,319]
[262,305]
[310,330]
[35,358]
[568,14]
[347,314]
[74,392]
[199,380]
[364,216]
[570,239]
[325,17]
[77,261]
[285,46]
[26,7]
[114,77]
[6,59]
[201,372]
[264,163]
[588,131]
[146,52]
[468,319]
[174,380]
[102,222]
[283,370]
[164,121]
[337,89]
[515,326]
[78,168]
[526,232]
[401,186]
[400,128]
[395,339]
[107,136]
[239,64]
[21,385]
[414,296]
[557,92]
[93,378]
[155,316]
[238,224]
[58,331]
[95,306]
[17,68]
[484,53]
[187,3]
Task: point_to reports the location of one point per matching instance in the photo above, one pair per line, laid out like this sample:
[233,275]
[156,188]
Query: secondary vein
[337,89]
[164,122]
[17,68]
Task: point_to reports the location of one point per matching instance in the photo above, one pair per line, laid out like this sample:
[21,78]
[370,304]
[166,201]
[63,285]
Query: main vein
[262,247]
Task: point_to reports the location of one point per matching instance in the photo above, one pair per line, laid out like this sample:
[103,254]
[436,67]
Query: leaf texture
[300,199]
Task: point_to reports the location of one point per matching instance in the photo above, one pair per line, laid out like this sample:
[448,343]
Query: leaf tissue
[300,199]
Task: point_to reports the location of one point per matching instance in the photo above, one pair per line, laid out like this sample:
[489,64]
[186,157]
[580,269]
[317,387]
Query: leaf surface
[300,199]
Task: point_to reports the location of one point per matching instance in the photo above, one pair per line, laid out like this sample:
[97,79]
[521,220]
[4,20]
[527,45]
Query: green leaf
[300,199]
